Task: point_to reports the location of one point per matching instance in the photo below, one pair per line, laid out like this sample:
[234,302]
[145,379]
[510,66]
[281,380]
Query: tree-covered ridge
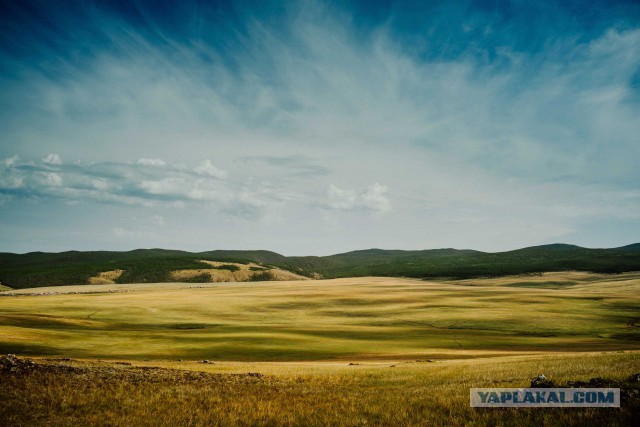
[155,265]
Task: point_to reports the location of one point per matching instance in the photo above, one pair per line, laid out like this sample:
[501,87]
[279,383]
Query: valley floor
[358,351]
[355,318]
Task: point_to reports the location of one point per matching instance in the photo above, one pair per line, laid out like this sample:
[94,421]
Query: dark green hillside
[466,264]
[154,265]
[75,268]
[261,257]
[633,247]
[371,262]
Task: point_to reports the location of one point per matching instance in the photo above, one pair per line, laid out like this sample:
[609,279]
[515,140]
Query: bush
[200,278]
[265,276]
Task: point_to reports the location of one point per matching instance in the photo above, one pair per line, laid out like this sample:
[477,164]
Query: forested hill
[155,265]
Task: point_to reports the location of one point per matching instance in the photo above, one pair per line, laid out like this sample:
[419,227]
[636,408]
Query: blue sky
[318,127]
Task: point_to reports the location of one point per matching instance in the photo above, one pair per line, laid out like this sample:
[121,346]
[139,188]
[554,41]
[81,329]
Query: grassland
[358,351]
[375,393]
[359,318]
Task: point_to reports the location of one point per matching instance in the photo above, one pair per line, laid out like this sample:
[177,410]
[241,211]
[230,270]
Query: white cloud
[151,162]
[51,179]
[374,198]
[165,186]
[126,184]
[10,161]
[100,184]
[52,159]
[371,199]
[208,169]
[341,199]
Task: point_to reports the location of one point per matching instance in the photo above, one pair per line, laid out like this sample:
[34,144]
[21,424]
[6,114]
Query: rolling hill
[37,269]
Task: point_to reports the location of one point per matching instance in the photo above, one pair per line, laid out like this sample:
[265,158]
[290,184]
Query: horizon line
[333,254]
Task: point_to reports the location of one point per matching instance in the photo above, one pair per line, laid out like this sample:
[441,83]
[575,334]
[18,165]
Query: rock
[206,362]
[542,382]
[11,363]
[8,361]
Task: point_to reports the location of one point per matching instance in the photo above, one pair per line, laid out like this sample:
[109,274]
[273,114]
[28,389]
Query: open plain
[358,351]
[356,318]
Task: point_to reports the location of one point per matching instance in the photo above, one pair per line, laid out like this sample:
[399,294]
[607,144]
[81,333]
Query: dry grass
[106,277]
[360,318]
[244,272]
[336,352]
[303,394]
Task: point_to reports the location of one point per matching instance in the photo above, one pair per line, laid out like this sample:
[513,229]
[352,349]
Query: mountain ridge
[36,269]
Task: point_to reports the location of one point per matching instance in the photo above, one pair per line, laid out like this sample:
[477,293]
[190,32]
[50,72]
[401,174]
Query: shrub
[262,277]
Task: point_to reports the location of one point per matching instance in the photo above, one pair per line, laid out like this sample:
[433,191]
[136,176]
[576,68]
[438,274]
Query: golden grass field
[357,318]
[359,351]
[305,393]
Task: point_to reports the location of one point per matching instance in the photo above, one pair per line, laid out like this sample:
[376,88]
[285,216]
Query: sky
[318,127]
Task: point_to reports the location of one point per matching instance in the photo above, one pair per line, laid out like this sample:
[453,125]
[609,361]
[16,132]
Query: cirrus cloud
[446,124]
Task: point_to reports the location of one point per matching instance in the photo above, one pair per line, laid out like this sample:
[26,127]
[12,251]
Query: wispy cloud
[153,182]
[296,165]
[151,162]
[372,199]
[557,113]
[52,159]
[206,168]
[146,182]
[521,125]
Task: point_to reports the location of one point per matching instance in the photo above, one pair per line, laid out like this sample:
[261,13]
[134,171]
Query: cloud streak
[511,119]
[146,182]
[156,183]
[372,199]
[555,114]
